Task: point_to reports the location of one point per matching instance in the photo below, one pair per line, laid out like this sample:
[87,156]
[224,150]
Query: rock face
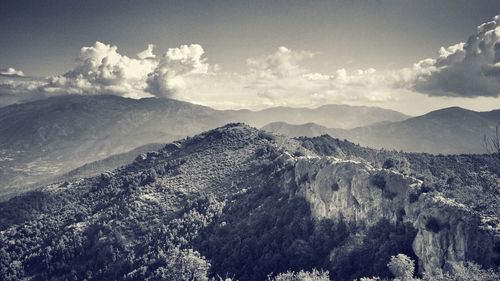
[447,232]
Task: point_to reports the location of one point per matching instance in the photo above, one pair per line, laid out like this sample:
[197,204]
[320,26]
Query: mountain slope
[52,136]
[46,138]
[109,163]
[447,131]
[246,203]
[450,130]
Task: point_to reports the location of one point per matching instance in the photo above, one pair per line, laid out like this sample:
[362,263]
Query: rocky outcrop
[447,232]
[353,190]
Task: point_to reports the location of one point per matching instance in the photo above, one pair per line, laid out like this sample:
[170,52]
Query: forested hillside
[246,204]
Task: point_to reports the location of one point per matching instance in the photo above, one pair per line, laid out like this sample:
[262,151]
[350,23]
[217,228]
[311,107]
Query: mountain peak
[233,130]
[450,111]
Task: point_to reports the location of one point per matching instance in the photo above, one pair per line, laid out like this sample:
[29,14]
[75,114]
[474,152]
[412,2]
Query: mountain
[291,130]
[451,130]
[110,163]
[46,138]
[239,202]
[331,116]
[90,169]
[52,136]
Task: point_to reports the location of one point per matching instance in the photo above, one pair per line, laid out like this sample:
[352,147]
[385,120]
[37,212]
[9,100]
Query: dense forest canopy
[215,205]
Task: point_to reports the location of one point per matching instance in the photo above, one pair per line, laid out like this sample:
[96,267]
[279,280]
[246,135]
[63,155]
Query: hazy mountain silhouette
[294,130]
[49,137]
[52,136]
[331,115]
[451,130]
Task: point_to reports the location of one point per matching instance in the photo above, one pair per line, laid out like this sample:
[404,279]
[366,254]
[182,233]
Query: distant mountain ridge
[49,137]
[451,130]
[292,130]
[46,138]
[330,115]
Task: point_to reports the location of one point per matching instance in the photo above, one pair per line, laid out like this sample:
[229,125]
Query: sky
[256,54]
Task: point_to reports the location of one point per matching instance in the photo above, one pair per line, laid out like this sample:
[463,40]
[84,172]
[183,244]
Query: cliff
[360,194]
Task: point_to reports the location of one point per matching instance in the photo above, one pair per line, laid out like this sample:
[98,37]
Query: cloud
[282,63]
[461,71]
[280,79]
[18,89]
[11,72]
[148,53]
[277,79]
[102,70]
[176,65]
[468,69]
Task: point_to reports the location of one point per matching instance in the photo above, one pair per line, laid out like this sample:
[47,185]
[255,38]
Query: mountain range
[42,140]
[451,130]
[244,203]
[46,138]
[49,137]
[330,115]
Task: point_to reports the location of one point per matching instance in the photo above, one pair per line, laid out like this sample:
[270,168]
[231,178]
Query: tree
[402,267]
[185,264]
[492,143]
[302,275]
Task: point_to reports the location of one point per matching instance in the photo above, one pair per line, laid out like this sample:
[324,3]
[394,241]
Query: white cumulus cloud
[463,70]
[468,69]
[148,53]
[176,65]
[102,70]
[11,72]
[280,64]
[281,79]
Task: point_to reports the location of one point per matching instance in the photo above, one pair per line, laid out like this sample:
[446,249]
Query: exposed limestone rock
[447,232]
[353,190]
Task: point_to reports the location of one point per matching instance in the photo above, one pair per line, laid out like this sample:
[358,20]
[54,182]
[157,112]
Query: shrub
[413,196]
[433,225]
[389,163]
[402,267]
[266,135]
[298,153]
[183,265]
[378,180]
[313,275]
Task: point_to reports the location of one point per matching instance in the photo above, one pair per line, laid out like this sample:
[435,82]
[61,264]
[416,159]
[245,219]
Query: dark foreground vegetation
[212,206]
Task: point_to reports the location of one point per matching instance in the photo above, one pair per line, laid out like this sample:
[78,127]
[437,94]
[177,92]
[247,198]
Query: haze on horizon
[410,56]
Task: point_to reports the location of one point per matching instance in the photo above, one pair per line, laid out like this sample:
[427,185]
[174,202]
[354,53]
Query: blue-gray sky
[43,38]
